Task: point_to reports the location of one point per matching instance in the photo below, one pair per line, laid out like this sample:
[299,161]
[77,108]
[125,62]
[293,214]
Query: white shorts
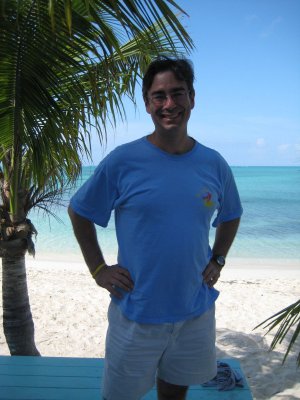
[181,353]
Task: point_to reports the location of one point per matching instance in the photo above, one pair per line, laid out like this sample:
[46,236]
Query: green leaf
[65,69]
[286,319]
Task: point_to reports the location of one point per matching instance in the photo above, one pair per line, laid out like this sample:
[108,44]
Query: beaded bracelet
[95,273]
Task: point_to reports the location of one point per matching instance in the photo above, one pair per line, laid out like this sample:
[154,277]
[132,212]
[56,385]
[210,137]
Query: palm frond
[65,67]
[286,319]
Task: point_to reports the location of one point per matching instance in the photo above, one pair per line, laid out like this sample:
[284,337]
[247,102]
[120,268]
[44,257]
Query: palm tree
[64,69]
[286,318]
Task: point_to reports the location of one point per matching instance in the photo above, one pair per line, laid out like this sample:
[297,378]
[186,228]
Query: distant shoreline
[233,166]
[254,268]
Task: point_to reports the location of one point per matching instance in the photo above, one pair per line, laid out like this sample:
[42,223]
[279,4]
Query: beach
[69,313]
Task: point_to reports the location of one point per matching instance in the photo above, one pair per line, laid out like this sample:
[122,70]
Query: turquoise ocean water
[270,226]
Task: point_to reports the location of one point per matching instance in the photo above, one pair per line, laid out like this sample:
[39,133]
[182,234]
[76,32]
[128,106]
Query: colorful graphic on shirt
[206,196]
[207,200]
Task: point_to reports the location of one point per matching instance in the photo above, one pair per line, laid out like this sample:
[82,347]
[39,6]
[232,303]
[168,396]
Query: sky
[247,69]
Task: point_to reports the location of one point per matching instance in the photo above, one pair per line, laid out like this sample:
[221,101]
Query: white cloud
[260,142]
[283,147]
[251,18]
[269,30]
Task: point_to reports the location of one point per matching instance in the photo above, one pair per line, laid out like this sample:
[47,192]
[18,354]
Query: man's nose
[169,102]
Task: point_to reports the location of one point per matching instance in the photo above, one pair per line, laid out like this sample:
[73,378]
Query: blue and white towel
[226,379]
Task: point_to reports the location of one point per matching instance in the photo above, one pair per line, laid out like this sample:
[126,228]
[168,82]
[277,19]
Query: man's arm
[109,277]
[225,234]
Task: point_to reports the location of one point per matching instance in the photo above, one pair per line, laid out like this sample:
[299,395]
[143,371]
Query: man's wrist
[98,269]
[219,260]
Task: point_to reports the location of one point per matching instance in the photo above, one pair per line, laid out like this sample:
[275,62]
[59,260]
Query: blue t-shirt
[163,206]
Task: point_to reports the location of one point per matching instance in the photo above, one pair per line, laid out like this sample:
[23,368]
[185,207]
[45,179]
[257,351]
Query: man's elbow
[77,219]
[74,217]
[71,212]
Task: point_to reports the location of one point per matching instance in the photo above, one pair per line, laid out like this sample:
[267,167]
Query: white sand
[69,312]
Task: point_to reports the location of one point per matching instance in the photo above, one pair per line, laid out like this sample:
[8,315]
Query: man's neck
[172,144]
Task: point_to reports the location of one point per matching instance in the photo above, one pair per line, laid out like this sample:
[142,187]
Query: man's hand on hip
[113,277]
[212,273]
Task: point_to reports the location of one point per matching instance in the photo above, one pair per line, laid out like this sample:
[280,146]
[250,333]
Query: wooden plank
[64,381]
[56,378]
[214,394]
[94,394]
[39,370]
[60,361]
[50,378]
[50,394]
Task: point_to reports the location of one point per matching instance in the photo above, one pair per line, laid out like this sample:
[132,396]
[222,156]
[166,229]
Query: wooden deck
[57,378]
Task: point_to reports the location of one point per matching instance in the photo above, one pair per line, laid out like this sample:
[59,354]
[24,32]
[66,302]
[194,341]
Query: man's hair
[181,68]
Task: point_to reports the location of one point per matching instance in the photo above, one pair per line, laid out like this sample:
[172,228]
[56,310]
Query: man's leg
[190,357]
[132,354]
[167,391]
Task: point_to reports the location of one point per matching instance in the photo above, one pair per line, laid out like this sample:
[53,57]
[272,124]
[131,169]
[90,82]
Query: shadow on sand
[263,369]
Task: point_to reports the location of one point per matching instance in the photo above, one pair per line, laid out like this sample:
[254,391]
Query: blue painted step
[60,378]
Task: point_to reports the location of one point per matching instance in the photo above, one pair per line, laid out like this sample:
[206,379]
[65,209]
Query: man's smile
[172,116]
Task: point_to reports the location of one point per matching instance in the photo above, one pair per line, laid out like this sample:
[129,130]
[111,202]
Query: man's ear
[192,99]
[147,105]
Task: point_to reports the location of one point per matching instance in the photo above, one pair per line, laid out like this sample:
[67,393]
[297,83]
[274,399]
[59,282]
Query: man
[164,189]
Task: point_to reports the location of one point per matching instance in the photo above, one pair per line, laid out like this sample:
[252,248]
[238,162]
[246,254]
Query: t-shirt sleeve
[230,205]
[96,198]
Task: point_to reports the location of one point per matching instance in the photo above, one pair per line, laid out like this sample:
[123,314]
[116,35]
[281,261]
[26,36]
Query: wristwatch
[220,260]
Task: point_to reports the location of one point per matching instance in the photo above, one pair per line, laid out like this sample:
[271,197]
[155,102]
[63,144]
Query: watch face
[220,260]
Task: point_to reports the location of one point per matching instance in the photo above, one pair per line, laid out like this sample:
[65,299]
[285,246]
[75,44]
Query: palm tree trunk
[17,319]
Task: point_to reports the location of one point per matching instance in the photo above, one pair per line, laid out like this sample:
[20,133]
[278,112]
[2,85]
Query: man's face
[169,103]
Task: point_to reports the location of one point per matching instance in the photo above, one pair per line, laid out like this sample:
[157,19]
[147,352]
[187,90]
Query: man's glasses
[178,97]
